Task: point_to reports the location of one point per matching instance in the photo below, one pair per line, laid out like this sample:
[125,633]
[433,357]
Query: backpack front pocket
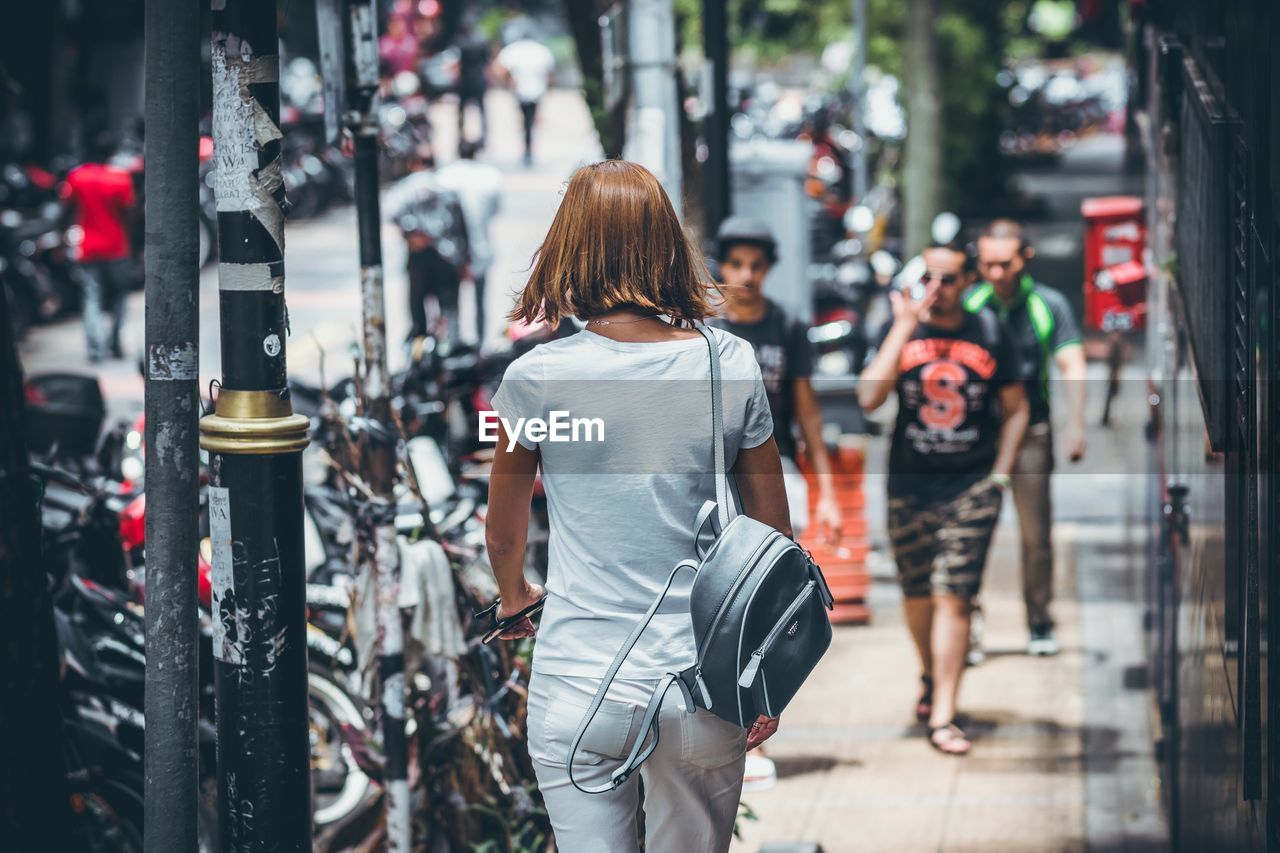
[774,673]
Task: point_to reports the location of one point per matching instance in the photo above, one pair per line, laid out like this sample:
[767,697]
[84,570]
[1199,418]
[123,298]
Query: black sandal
[950,744]
[924,705]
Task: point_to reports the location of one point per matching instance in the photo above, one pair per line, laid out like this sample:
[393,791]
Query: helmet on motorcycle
[737,230]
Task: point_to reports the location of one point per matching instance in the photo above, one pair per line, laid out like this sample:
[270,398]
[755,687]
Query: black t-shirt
[784,355]
[948,427]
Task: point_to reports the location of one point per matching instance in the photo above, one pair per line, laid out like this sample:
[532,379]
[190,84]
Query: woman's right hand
[526,596]
[761,730]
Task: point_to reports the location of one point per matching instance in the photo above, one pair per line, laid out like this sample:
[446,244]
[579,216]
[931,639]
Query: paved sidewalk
[857,774]
[1062,757]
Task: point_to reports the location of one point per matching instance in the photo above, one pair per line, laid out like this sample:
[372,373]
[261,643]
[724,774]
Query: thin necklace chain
[621,322]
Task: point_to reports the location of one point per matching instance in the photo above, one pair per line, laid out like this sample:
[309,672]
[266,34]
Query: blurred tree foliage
[974,38]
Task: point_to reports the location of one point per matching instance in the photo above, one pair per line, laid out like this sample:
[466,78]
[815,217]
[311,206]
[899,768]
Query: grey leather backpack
[759,609]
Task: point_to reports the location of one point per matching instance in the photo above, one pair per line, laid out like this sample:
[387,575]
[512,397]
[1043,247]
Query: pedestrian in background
[478,187]
[398,48]
[746,251]
[1046,331]
[473,80]
[527,64]
[104,201]
[622,512]
[962,411]
[430,218]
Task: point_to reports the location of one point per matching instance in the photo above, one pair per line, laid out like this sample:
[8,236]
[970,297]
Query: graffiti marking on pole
[172,362]
[375,333]
[226,612]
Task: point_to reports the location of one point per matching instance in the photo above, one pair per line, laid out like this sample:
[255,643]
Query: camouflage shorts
[941,548]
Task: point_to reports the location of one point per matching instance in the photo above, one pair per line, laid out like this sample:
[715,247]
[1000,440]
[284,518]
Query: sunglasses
[945,278]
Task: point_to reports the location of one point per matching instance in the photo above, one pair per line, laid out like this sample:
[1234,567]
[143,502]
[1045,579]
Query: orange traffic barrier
[843,563]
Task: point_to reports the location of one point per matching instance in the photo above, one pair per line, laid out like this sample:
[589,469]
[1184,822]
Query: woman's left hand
[512,604]
[761,730]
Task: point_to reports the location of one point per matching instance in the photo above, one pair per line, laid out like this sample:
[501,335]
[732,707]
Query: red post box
[1115,280]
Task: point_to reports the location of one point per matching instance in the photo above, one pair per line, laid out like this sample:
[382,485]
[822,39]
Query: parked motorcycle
[35,269]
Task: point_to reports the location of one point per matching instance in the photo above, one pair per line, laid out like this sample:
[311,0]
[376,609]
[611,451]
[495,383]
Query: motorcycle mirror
[859,219]
[946,226]
[404,84]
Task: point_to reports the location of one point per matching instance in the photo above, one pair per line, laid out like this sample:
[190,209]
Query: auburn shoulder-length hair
[615,242]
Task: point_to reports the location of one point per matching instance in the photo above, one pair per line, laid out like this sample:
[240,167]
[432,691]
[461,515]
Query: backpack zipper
[715,622]
[748,676]
[733,590]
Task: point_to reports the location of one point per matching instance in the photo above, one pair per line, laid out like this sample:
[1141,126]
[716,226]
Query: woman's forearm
[506,558]
[758,474]
[507,525]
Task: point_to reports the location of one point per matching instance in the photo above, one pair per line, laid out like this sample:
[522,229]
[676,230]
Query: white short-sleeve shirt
[623,496]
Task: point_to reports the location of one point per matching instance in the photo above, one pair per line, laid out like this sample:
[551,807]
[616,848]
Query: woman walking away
[622,493]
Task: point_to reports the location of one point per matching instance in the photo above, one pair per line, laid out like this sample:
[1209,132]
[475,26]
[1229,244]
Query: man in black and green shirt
[1046,331]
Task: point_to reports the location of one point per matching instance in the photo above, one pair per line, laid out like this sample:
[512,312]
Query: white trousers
[692,782]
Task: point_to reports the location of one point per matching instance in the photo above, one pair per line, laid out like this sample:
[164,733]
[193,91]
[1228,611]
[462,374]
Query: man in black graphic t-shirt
[962,411]
[949,418]
[784,355]
[747,251]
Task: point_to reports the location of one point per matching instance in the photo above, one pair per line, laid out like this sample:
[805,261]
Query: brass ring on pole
[255,423]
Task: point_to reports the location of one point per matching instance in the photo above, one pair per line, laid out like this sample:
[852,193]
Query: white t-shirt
[622,508]
[530,64]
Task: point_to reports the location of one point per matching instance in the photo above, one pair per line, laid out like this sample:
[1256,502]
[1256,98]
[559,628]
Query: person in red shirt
[103,197]
[398,48]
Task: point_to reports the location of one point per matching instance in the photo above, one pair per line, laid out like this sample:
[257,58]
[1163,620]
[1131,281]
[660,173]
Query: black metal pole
[715,37]
[255,443]
[378,452]
[172,75]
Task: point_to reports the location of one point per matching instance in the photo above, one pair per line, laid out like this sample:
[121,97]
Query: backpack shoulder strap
[644,745]
[1042,321]
[979,296]
[717,427]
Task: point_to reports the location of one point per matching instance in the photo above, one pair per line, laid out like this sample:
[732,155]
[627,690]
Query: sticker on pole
[227,646]
[241,128]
